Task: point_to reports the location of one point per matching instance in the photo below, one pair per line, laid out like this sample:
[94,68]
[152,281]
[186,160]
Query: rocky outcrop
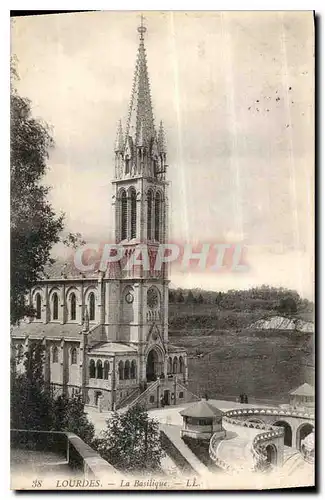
[283,323]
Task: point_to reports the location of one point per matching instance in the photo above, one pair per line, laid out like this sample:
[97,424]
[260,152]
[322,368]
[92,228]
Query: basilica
[105,334]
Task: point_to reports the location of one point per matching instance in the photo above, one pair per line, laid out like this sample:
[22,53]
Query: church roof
[174,348]
[303,390]
[112,347]
[201,409]
[40,330]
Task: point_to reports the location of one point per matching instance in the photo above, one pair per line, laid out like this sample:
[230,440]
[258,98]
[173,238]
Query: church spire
[141,150]
[140,121]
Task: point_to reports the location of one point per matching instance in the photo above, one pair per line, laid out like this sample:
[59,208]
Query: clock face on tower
[152,298]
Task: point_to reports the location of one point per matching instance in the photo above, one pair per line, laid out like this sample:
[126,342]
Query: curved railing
[235,417]
[270,411]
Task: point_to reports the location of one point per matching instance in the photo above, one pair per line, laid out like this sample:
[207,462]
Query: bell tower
[140,203]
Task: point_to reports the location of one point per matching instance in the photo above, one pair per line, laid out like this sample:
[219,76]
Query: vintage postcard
[162,250]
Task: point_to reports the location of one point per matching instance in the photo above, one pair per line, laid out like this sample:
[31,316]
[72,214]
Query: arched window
[133,214]
[149,215]
[170,365]
[92,369]
[175,365]
[157,216]
[91,306]
[99,369]
[73,307]
[181,365]
[55,306]
[55,354]
[127,370]
[124,216]
[121,370]
[38,306]
[73,356]
[106,370]
[133,369]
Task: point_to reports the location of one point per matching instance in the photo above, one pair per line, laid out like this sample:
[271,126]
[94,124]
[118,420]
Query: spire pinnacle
[161,139]
[119,143]
[142,29]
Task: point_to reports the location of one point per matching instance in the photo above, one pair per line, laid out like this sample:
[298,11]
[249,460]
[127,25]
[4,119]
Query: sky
[235,91]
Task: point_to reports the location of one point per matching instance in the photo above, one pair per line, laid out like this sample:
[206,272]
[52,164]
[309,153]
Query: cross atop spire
[142,29]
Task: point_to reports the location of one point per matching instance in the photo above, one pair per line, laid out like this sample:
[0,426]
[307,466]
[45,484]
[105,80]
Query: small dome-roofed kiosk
[201,420]
[303,396]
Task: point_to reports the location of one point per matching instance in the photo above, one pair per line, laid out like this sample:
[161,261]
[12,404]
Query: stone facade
[106,335]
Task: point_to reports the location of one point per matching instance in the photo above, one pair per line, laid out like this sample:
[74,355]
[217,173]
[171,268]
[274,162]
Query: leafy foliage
[131,441]
[33,224]
[34,407]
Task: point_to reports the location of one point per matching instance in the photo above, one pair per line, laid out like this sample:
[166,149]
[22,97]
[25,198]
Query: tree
[69,415]
[32,406]
[180,297]
[30,403]
[200,299]
[33,224]
[287,306]
[190,297]
[131,441]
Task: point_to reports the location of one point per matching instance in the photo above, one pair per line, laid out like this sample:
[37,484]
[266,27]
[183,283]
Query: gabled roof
[303,390]
[201,409]
[40,330]
[112,347]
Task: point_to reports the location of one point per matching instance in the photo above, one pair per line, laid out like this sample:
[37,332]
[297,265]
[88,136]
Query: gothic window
[91,306]
[127,165]
[133,369]
[38,306]
[55,354]
[124,215]
[73,356]
[106,370]
[99,367]
[149,215]
[181,365]
[73,307]
[121,370]
[127,370]
[157,216]
[133,214]
[92,369]
[170,365]
[55,306]
[175,365]
[152,297]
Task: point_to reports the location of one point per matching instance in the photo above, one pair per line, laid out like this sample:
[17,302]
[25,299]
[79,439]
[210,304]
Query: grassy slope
[226,358]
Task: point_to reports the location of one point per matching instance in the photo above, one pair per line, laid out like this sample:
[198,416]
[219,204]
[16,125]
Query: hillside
[232,350]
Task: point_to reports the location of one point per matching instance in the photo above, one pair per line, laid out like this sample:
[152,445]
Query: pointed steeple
[140,119]
[161,139]
[119,143]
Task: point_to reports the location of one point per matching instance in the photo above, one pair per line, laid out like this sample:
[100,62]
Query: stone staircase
[143,396]
[128,399]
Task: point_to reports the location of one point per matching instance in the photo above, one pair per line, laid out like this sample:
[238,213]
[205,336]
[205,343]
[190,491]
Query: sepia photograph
[162,250]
